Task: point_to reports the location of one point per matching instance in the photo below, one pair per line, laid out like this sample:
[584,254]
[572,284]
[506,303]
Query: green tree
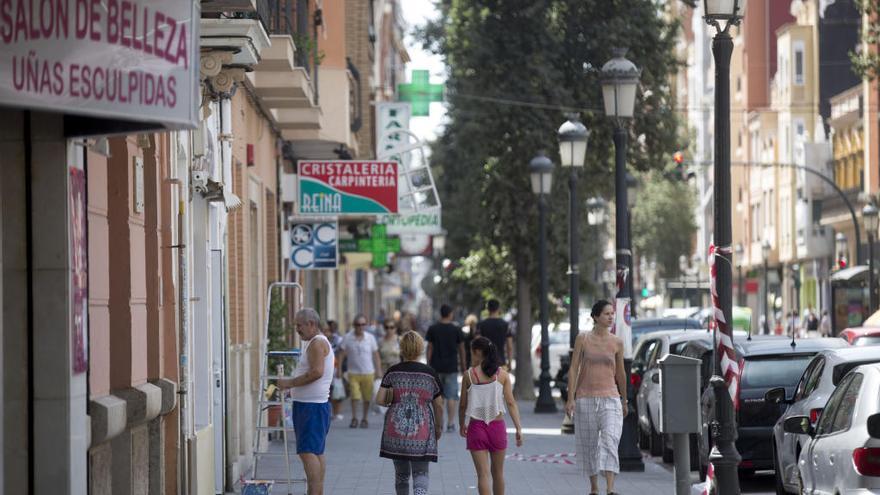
[515,68]
[866,63]
[658,233]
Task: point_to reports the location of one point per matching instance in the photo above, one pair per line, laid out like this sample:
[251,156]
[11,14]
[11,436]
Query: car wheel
[695,452]
[780,487]
[644,440]
[668,455]
[656,444]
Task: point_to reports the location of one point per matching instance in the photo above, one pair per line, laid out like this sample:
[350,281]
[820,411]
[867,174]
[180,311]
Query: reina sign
[347,187]
[126,59]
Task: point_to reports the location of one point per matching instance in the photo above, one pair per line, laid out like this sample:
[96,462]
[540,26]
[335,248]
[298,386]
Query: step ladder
[272,397]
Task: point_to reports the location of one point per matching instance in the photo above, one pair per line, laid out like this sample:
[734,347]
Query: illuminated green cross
[379,245]
[420,92]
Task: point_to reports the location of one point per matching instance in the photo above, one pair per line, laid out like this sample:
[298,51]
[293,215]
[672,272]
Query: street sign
[415,244]
[313,244]
[347,187]
[623,324]
[423,222]
[379,245]
[391,118]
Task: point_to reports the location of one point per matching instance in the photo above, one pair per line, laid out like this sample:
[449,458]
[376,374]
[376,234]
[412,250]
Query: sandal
[364,423]
[354,423]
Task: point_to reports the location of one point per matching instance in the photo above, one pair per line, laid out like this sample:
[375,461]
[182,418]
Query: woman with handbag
[597,401]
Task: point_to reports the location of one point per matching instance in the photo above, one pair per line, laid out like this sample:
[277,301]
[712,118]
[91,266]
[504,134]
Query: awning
[848,274]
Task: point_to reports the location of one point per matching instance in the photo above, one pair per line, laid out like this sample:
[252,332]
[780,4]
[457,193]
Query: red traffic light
[678,156]
[841,263]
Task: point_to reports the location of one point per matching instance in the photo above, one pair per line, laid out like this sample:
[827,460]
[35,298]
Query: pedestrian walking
[413,394]
[469,330]
[497,330]
[446,356]
[337,387]
[812,321]
[481,415]
[310,386]
[598,404]
[389,347]
[363,366]
[825,324]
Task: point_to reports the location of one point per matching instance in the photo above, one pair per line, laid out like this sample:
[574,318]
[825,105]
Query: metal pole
[573,269]
[628,449]
[545,402]
[724,456]
[741,297]
[766,305]
[872,304]
[682,463]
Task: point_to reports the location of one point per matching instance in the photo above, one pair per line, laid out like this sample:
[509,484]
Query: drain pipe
[183,330]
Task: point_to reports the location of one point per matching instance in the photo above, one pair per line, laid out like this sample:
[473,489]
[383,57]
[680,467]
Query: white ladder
[263,403]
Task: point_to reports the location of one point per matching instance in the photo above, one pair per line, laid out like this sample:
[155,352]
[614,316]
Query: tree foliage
[663,222]
[515,68]
[866,63]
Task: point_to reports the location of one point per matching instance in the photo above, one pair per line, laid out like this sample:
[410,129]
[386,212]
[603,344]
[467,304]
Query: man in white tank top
[311,392]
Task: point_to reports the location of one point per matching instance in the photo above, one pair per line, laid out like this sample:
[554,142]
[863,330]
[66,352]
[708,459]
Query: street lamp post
[765,255]
[739,251]
[724,456]
[541,171]
[869,214]
[620,79]
[573,138]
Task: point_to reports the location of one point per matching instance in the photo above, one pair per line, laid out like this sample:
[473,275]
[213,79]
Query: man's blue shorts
[311,423]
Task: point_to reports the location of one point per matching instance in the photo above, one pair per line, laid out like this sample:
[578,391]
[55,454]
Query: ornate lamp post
[541,172]
[620,79]
[724,456]
[765,256]
[869,214]
[573,138]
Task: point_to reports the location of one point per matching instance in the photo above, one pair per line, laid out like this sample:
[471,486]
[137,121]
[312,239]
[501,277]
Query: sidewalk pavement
[355,468]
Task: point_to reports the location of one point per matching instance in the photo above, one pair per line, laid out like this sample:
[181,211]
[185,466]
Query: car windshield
[774,371]
[867,340]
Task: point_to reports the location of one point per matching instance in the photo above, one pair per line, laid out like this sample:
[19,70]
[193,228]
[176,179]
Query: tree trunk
[525,386]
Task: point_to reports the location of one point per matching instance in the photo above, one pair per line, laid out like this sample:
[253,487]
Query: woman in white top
[488,390]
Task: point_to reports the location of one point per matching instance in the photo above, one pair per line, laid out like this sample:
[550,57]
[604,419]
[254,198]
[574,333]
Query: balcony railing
[290,17]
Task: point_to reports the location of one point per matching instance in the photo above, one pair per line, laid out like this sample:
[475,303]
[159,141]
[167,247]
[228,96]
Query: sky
[416,13]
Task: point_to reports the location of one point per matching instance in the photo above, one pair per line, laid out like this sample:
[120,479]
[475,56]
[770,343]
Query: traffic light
[680,171]
[841,263]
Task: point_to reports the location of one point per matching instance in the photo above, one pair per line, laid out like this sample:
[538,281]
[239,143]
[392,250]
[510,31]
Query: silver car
[843,453]
[645,377]
[817,383]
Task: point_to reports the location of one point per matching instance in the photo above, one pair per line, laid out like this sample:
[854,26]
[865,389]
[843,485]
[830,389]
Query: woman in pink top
[598,404]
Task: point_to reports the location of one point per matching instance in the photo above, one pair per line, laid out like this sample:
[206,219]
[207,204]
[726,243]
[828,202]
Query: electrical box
[679,394]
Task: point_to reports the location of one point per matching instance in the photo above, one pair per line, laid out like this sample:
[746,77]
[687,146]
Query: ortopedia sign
[341,187]
[423,222]
[128,59]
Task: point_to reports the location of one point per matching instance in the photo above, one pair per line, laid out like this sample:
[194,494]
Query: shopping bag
[287,407]
[376,384]
[338,389]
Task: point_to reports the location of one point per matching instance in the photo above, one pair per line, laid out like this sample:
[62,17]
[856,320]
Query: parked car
[860,336]
[818,382]
[843,454]
[766,362]
[645,377]
[645,325]
[559,334]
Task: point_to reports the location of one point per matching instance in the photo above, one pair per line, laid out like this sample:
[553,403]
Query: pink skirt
[490,436]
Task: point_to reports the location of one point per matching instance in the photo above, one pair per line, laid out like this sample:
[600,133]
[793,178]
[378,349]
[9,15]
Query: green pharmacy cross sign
[379,245]
[420,92]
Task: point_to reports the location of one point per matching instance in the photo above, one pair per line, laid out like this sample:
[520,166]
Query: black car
[767,362]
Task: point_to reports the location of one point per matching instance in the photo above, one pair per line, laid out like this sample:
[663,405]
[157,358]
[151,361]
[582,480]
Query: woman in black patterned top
[413,423]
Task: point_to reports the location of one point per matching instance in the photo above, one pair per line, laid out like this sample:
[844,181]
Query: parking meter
[680,411]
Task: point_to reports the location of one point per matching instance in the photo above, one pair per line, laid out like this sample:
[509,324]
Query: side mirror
[775,396]
[799,425]
[655,378]
[874,425]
